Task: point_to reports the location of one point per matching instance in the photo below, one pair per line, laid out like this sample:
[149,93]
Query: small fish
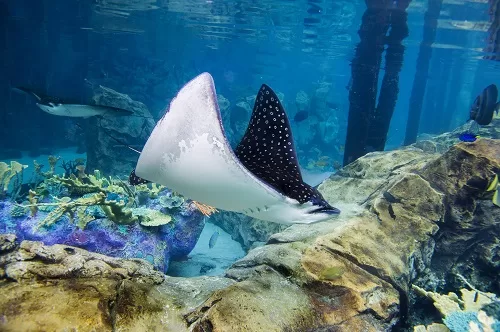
[56,106]
[314,9]
[468,137]
[390,198]
[331,273]
[494,186]
[332,105]
[301,116]
[485,105]
[391,212]
[213,239]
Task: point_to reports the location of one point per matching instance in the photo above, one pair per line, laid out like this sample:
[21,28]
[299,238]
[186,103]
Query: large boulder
[353,273]
[248,231]
[106,137]
[62,288]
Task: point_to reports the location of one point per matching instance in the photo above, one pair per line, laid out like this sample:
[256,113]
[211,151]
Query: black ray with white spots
[267,150]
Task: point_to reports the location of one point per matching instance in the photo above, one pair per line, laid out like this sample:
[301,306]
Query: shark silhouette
[189,153]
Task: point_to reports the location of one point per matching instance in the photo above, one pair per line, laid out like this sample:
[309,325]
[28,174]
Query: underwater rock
[406,215]
[244,229]
[384,239]
[34,260]
[441,143]
[105,153]
[7,242]
[302,101]
[59,288]
[468,241]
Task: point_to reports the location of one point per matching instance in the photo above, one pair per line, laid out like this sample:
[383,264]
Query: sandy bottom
[205,261]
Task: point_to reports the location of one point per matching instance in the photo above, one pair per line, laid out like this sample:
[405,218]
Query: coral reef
[409,218]
[104,215]
[463,314]
[7,174]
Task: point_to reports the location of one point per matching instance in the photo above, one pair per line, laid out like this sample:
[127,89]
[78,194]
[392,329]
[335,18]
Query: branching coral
[8,172]
[171,201]
[88,184]
[33,200]
[114,211]
[152,191]
[52,163]
[117,212]
[462,314]
[69,208]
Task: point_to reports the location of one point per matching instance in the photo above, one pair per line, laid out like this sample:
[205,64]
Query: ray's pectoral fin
[135,180]
[267,150]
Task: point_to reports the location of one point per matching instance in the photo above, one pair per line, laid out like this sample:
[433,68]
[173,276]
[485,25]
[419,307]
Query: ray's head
[314,209]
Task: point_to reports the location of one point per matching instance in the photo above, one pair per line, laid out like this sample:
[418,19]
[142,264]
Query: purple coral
[156,244]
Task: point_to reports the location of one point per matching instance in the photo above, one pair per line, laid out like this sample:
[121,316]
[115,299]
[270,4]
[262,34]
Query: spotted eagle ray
[56,106]
[189,153]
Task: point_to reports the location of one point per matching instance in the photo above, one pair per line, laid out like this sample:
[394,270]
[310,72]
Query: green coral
[69,208]
[172,201]
[19,211]
[75,186]
[83,217]
[151,189]
[114,211]
[117,212]
[90,184]
[151,218]
[8,172]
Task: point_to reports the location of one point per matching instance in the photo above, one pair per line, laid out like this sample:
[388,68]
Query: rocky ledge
[409,217]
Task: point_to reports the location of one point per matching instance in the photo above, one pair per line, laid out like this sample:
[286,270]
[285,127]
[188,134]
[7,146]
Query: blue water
[149,49]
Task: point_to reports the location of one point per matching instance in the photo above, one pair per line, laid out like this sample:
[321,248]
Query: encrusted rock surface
[248,231]
[59,288]
[352,273]
[104,152]
[408,216]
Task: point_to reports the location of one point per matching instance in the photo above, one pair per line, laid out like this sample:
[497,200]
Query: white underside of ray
[71,110]
[189,153]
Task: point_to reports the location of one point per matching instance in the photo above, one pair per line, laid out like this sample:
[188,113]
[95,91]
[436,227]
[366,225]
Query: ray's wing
[268,151]
[188,152]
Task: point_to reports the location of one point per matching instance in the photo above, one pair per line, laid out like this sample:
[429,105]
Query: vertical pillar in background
[420,80]
[493,47]
[394,55]
[4,82]
[365,69]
